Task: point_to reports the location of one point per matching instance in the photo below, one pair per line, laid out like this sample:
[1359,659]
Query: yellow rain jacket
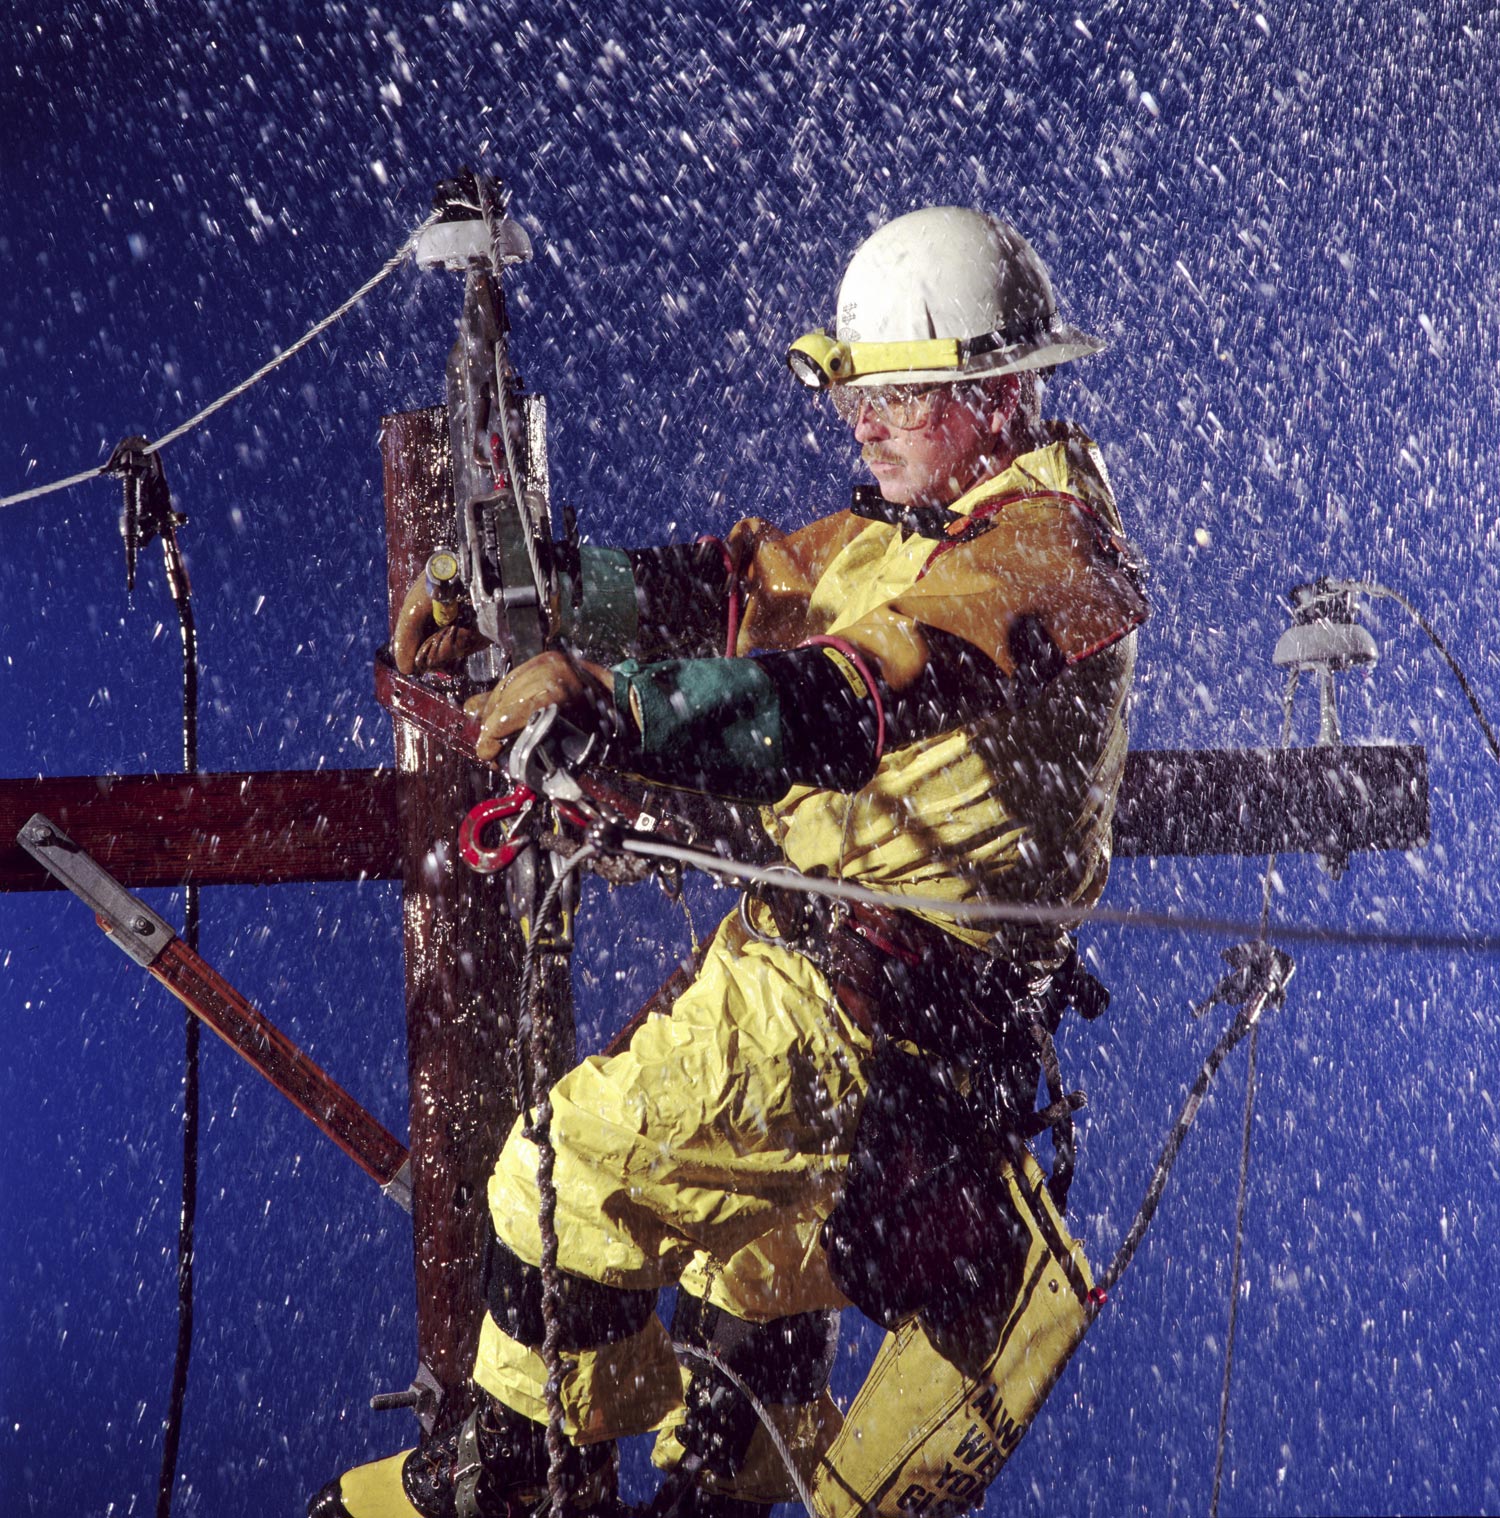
[711,1149]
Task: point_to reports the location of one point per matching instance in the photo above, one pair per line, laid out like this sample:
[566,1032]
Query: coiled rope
[533,1079]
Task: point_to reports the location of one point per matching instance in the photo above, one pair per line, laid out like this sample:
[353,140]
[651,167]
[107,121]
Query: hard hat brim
[1062,343]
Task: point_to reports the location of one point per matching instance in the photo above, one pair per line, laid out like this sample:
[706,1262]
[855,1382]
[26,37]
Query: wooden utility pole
[462,963]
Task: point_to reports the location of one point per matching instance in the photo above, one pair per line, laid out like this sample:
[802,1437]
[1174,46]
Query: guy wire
[1237,1257]
[388,268]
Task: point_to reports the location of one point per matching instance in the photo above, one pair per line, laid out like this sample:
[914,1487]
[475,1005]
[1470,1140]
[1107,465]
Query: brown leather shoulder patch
[1048,557]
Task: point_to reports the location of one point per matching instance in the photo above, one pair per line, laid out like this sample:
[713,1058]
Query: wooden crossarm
[262,828]
[279,826]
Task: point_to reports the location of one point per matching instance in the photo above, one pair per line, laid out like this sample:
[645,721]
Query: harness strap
[1058,1114]
[901,978]
[590,1315]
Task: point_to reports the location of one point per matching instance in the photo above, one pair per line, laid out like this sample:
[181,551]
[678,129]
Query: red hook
[516,802]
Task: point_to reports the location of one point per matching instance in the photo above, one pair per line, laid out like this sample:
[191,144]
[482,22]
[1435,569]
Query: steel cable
[1242,1193]
[980,912]
[385,271]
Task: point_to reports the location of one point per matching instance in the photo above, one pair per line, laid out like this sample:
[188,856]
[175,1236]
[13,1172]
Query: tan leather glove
[584,691]
[418,644]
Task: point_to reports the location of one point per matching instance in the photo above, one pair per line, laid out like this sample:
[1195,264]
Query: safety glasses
[904,407]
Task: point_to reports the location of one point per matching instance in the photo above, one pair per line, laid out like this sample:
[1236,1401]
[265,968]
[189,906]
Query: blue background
[1285,221]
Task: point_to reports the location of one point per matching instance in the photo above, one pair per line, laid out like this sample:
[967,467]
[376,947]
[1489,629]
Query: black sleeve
[682,598]
[818,715]
[961,683]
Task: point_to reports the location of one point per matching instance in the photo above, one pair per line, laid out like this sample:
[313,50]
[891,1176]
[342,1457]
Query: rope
[538,1130]
[385,271]
[1061,917]
[1221,1441]
[177,583]
[1243,1022]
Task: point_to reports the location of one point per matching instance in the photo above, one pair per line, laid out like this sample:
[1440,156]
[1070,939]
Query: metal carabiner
[517,804]
[749,898]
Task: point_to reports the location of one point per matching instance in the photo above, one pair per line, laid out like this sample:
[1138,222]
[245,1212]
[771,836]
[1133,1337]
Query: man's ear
[1005,395]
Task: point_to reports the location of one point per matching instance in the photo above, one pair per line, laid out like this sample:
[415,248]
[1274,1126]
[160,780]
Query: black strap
[787,1360]
[1078,987]
[682,598]
[1057,1115]
[468,1469]
[784,1360]
[920,521]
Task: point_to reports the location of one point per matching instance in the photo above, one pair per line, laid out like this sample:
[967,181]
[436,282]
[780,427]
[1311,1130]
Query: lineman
[927,695]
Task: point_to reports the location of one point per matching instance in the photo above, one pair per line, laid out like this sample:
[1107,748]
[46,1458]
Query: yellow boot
[368,1491]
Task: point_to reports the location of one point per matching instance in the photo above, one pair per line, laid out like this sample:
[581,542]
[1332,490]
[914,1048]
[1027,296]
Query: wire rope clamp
[1258,977]
[147,510]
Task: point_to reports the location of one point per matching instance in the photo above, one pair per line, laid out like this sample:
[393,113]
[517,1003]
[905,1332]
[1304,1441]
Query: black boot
[680,1496]
[493,1465]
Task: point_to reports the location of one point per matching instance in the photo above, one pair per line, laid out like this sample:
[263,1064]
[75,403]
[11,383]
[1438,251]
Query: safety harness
[907,983]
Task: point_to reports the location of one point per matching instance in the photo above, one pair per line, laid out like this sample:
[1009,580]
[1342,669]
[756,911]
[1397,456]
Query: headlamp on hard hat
[819,360]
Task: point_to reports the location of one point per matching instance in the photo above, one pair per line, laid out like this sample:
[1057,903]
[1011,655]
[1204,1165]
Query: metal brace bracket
[399,1187]
[139,931]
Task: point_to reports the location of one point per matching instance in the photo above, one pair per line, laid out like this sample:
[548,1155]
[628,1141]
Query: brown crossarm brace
[206,994]
[149,940]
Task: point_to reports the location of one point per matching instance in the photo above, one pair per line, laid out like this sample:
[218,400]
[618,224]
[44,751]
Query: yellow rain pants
[708,1152]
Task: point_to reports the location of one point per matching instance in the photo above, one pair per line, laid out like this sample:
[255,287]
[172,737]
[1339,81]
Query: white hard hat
[944,293]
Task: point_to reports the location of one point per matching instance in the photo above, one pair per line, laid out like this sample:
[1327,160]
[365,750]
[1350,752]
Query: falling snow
[1284,223]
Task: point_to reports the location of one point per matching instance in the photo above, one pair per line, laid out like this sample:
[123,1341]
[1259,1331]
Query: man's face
[936,461]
